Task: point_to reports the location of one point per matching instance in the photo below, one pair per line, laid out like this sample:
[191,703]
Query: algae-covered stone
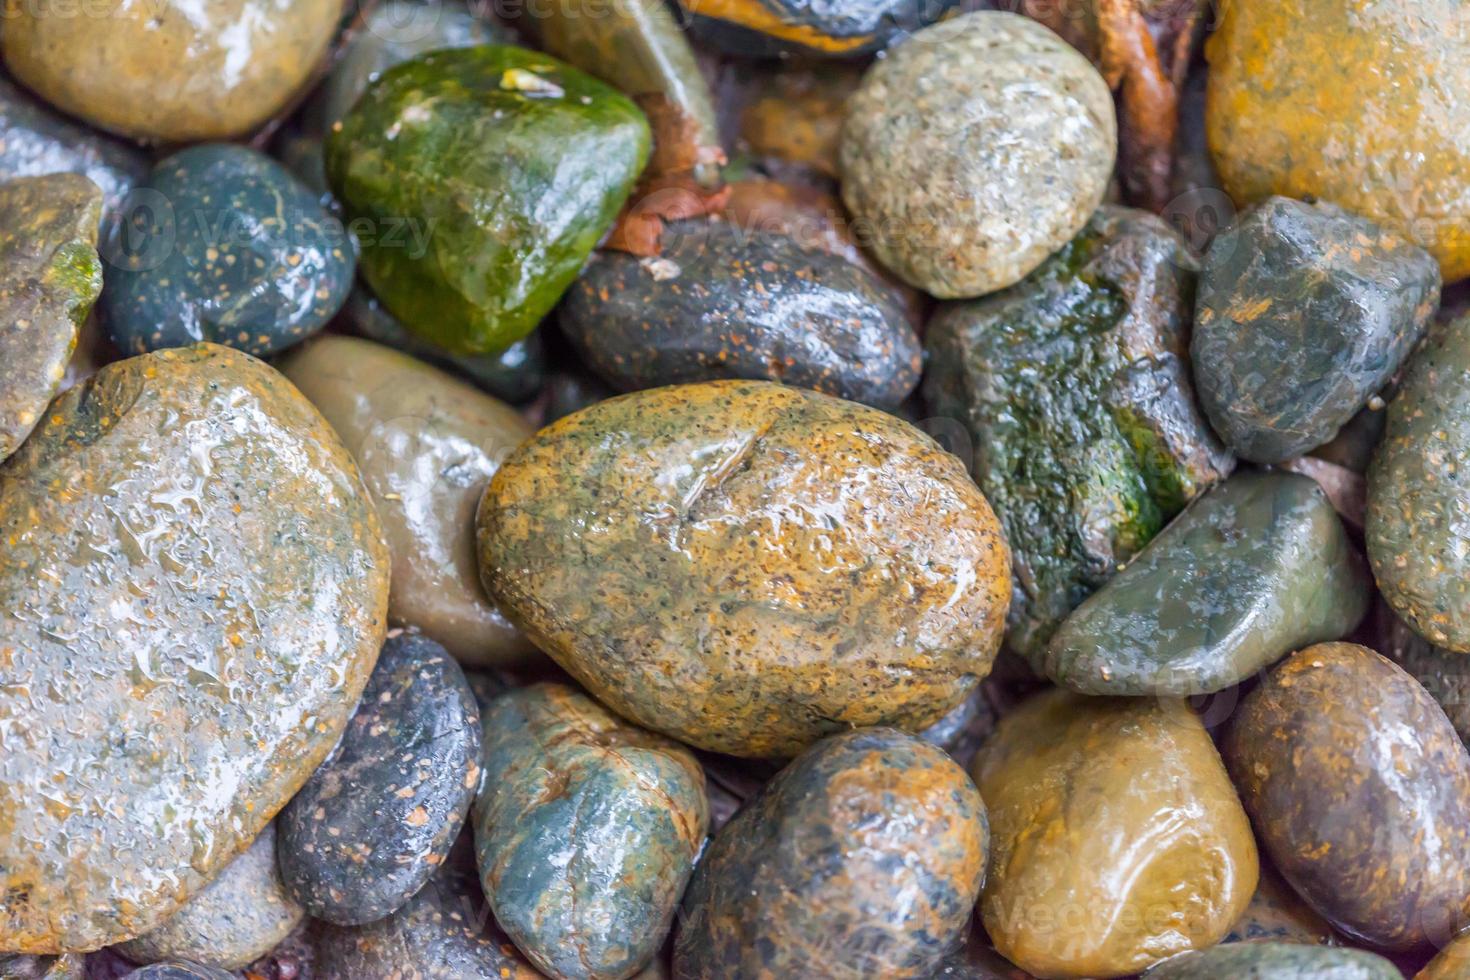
[1443,673]
[198,588]
[1355,103]
[765,28]
[1117,839]
[374,822]
[1074,389]
[505,165]
[1276,961]
[1417,539]
[169,70]
[1360,791]
[241,915]
[586,829]
[746,566]
[1252,570]
[232,249]
[726,302]
[50,275]
[975,150]
[862,858]
[1305,312]
[427,445]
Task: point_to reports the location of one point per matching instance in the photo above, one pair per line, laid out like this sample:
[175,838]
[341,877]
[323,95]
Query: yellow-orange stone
[1117,839]
[1357,102]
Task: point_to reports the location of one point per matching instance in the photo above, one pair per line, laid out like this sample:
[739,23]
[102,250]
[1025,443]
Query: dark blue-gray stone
[179,970]
[1275,961]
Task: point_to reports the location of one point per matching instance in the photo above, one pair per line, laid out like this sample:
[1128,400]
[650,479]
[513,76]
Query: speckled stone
[241,915]
[168,70]
[72,966]
[586,831]
[1079,420]
[50,275]
[1278,914]
[1305,312]
[179,970]
[1117,839]
[821,28]
[379,816]
[1252,570]
[445,932]
[1443,673]
[1276,961]
[860,859]
[748,567]
[427,445]
[1367,824]
[198,587]
[234,250]
[1418,542]
[38,141]
[975,150]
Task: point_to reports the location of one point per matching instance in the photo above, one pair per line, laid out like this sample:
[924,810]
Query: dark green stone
[726,302]
[1305,311]
[231,249]
[506,165]
[372,824]
[1275,961]
[820,28]
[586,829]
[1080,426]
[1250,571]
[1443,673]
[50,275]
[1419,492]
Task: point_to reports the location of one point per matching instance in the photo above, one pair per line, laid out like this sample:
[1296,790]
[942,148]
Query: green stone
[1256,568]
[50,275]
[479,181]
[1276,961]
[1073,389]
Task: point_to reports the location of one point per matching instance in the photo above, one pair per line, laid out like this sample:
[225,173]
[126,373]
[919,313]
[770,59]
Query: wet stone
[241,915]
[72,966]
[233,249]
[427,445]
[379,816]
[1324,734]
[1276,961]
[975,150]
[1252,570]
[794,111]
[489,130]
[1304,313]
[1278,914]
[725,302]
[1118,815]
[179,970]
[50,275]
[885,609]
[1073,393]
[1443,673]
[1452,962]
[199,587]
[767,28]
[865,853]
[563,776]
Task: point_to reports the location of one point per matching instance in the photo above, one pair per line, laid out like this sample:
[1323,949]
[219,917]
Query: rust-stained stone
[860,859]
[50,275]
[194,591]
[748,567]
[1360,791]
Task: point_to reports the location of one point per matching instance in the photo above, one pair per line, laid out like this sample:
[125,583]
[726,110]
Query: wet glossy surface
[69,967]
[763,28]
[1073,391]
[1452,962]
[241,915]
[194,592]
[975,151]
[169,70]
[726,302]
[748,567]
[50,275]
[1278,914]
[1304,313]
[586,830]
[505,167]
[1276,961]
[1360,791]
[1357,103]
[226,246]
[860,859]
[1443,673]
[1117,839]
[427,445]
[374,822]
[1252,570]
